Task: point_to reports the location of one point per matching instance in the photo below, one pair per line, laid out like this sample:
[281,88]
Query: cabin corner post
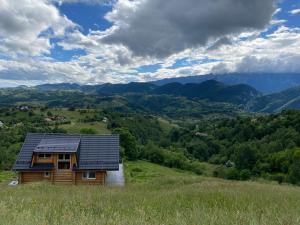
[52,177]
[104,177]
[74,177]
[20,180]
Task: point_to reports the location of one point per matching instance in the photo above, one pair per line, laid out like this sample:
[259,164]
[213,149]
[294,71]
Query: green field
[76,125]
[153,195]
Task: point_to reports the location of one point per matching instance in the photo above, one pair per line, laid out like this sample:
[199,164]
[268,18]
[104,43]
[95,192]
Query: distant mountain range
[266,83]
[241,95]
[211,90]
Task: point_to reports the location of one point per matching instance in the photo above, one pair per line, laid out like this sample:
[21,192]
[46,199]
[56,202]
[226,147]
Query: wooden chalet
[67,159]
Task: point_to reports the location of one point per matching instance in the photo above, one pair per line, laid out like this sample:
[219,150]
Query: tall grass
[157,195]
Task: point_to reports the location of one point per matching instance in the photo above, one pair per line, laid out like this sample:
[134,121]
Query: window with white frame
[89,175]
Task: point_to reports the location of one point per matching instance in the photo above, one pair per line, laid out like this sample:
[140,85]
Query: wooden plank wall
[63,177]
[26,177]
[60,176]
[100,179]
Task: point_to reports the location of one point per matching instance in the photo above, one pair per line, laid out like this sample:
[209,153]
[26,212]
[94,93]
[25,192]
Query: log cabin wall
[56,176]
[60,176]
[26,177]
[37,159]
[100,178]
[77,178]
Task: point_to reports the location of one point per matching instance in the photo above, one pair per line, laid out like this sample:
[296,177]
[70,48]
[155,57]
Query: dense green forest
[243,147]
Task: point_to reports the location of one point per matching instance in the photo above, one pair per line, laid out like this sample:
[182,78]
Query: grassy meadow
[153,195]
[76,121]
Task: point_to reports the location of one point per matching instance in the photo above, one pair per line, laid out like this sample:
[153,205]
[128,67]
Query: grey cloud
[220,68]
[288,63]
[161,28]
[219,43]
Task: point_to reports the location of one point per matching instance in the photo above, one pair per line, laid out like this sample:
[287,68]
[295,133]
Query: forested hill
[288,99]
[210,90]
[188,95]
[266,83]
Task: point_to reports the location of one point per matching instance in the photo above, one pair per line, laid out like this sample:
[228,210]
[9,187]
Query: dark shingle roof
[91,158]
[95,152]
[42,167]
[58,145]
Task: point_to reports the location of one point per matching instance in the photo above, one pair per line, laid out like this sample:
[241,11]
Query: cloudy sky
[99,41]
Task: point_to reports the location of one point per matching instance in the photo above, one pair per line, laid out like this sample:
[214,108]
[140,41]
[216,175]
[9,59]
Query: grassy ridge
[153,195]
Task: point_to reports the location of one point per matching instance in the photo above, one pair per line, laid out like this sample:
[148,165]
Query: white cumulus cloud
[26,25]
[295,11]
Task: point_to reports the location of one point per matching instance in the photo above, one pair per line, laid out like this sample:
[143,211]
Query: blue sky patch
[61,55]
[148,68]
[184,62]
[89,17]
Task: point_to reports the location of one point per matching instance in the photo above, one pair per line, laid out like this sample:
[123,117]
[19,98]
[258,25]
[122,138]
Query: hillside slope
[288,99]
[211,90]
[153,195]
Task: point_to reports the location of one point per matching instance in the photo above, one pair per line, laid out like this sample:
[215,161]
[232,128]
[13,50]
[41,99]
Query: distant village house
[199,134]
[105,120]
[60,119]
[24,108]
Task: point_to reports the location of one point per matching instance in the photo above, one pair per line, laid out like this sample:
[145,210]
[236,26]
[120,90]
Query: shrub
[245,174]
[215,159]
[294,170]
[173,158]
[279,177]
[128,142]
[232,174]
[220,172]
[226,173]
[136,169]
[88,131]
[196,168]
